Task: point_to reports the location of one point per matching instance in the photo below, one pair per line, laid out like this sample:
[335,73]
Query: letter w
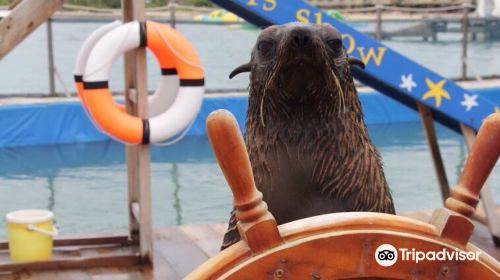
[366,57]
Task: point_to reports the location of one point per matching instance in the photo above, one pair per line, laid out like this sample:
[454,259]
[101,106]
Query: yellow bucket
[30,235]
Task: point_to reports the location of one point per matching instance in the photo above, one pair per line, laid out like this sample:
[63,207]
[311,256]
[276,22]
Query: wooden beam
[50,50]
[378,26]
[465,40]
[489,206]
[14,4]
[172,5]
[124,260]
[25,18]
[430,133]
[138,157]
[84,241]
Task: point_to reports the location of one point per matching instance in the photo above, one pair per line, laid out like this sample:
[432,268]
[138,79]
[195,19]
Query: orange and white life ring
[176,57]
[162,98]
[83,54]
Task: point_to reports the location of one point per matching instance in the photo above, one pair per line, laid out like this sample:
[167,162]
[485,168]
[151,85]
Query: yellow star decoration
[436,91]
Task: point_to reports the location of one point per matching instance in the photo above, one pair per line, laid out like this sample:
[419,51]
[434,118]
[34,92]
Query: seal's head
[299,63]
[306,139]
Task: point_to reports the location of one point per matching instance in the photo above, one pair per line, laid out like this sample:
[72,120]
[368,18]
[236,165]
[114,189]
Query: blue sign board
[386,70]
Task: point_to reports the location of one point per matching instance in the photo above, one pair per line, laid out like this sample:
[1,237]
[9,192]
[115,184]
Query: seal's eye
[335,44]
[265,46]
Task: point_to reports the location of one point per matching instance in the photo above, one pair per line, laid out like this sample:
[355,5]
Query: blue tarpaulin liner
[66,122]
[17,162]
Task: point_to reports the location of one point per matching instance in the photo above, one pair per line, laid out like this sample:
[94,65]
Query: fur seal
[305,135]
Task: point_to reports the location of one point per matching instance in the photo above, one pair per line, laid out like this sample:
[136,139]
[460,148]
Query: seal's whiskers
[341,102]
[271,78]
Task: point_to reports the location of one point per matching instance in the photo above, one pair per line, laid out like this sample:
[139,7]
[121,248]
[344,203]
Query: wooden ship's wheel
[344,245]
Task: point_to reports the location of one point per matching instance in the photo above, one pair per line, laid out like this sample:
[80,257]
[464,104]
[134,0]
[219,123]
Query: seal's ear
[240,69]
[357,62]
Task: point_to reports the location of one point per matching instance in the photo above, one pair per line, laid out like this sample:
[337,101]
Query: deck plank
[205,237]
[481,237]
[183,254]
[115,273]
[220,228]
[73,275]
[162,268]
[120,276]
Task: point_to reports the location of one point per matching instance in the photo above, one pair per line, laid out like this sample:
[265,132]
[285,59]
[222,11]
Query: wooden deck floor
[179,250]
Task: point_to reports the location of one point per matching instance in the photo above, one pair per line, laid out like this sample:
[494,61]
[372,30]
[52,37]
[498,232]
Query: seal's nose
[301,37]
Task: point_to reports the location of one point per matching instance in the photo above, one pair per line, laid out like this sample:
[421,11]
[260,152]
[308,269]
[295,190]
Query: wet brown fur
[308,145]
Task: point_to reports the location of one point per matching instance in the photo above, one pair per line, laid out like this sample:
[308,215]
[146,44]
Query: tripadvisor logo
[387,255]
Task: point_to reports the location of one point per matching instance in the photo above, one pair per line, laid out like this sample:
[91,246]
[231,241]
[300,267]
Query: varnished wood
[23,20]
[491,217]
[452,226]
[256,225]
[138,157]
[338,255]
[430,134]
[482,158]
[336,243]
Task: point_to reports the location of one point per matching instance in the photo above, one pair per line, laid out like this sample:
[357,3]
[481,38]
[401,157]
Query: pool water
[85,184]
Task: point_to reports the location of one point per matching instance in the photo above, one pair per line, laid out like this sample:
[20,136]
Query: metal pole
[172,5]
[465,40]
[378,31]
[50,48]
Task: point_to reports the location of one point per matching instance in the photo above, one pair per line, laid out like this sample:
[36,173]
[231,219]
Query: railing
[464,9]
[461,13]
[342,4]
